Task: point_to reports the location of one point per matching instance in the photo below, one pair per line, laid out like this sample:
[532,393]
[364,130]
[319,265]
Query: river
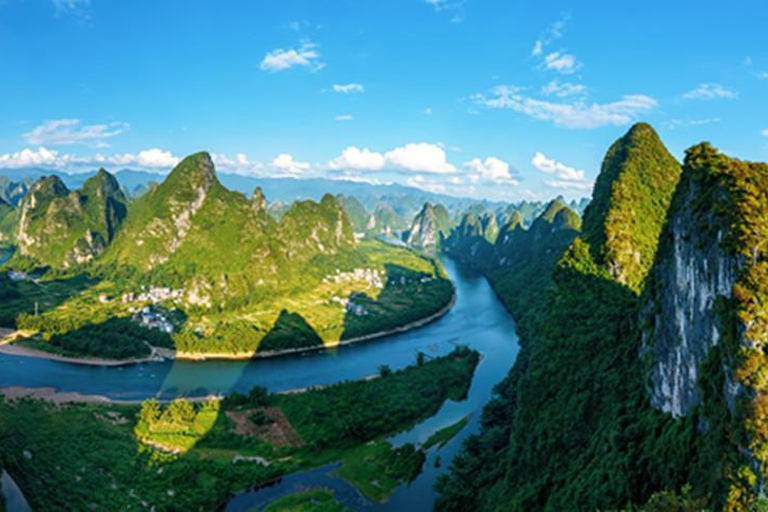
[478,319]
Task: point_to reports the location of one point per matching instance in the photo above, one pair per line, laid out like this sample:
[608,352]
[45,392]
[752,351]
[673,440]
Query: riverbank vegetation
[376,289]
[313,500]
[190,456]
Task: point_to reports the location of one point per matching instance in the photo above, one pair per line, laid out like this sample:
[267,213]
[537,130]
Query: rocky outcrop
[692,276]
[63,229]
[429,228]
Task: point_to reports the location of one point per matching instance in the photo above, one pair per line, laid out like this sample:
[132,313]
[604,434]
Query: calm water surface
[478,319]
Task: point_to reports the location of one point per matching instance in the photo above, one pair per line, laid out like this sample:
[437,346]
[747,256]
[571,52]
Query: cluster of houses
[349,306]
[153,317]
[372,276]
[155,295]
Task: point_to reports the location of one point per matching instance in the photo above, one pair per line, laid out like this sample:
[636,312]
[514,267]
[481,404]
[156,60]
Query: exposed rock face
[693,272]
[429,228]
[61,228]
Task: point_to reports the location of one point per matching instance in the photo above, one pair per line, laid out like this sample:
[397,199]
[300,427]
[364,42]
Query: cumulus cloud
[285,162]
[562,171]
[343,117]
[576,115]
[420,157]
[538,48]
[281,59]
[566,177]
[563,90]
[151,159]
[349,88]
[28,158]
[358,159]
[62,132]
[711,92]
[491,169]
[564,63]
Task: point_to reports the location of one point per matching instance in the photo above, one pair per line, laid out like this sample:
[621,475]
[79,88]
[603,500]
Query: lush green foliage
[351,412]
[64,229]
[629,206]
[116,457]
[376,469]
[571,428]
[444,435]
[315,500]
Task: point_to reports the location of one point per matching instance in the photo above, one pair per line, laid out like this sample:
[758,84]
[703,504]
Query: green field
[79,315]
[185,456]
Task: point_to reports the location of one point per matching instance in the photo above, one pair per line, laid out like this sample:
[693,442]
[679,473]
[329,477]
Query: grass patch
[377,468]
[442,436]
[184,456]
[314,500]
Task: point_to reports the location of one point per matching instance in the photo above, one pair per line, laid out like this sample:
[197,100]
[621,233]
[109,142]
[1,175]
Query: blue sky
[500,99]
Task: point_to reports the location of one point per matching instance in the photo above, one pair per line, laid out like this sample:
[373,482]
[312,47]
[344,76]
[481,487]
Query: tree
[385,370]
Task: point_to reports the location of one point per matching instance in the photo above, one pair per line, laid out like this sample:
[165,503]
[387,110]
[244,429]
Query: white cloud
[358,159]
[151,159]
[492,169]
[765,133]
[762,75]
[427,111]
[343,117]
[156,158]
[562,171]
[238,165]
[685,123]
[711,92]
[563,90]
[455,180]
[568,115]
[281,59]
[420,157]
[349,88]
[564,63]
[62,132]
[568,185]
[285,162]
[553,32]
[28,158]
[454,6]
[425,184]
[566,177]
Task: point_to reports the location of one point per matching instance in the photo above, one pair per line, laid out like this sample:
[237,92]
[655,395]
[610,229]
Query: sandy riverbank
[161,355]
[55,396]
[17,350]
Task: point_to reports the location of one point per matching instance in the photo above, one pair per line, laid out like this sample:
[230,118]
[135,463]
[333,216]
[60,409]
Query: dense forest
[572,427]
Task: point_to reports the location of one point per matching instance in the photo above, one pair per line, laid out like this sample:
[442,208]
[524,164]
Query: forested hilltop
[641,376]
[194,266]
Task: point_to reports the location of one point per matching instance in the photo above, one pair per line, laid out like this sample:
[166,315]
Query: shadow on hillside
[26,295]
[407,296]
[115,338]
[290,331]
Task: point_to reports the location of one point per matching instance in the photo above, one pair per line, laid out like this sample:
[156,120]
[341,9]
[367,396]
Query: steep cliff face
[429,228]
[692,276]
[62,228]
